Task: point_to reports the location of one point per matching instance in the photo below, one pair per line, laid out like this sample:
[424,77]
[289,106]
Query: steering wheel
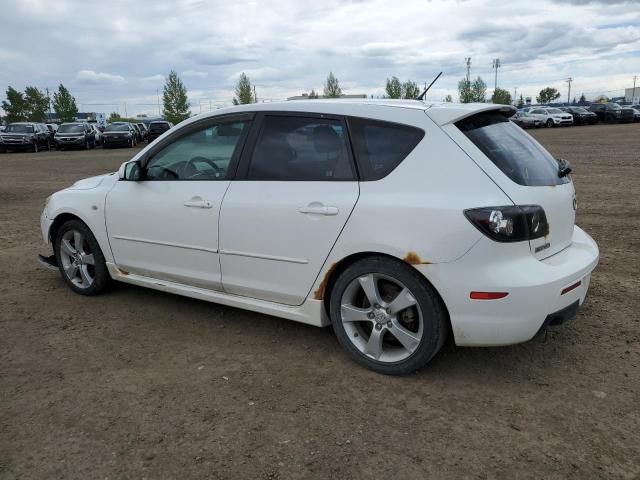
[190,166]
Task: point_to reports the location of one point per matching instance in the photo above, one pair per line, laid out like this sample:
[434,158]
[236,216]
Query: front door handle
[197,202]
[317,208]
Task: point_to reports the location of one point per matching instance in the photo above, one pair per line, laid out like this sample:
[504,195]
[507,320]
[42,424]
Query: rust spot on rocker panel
[413,258]
[123,272]
[319,293]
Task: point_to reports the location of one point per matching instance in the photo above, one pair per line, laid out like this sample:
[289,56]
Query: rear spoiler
[445,113]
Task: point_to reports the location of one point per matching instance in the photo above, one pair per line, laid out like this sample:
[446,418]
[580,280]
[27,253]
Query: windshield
[71,128]
[120,127]
[554,110]
[19,129]
[580,110]
[513,151]
[614,106]
[162,126]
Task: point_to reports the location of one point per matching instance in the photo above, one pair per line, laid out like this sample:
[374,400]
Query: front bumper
[16,146]
[108,141]
[71,142]
[535,288]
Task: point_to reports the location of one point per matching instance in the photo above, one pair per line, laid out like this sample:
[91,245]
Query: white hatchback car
[398,222]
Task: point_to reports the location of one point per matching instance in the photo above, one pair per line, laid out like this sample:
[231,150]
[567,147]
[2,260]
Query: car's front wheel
[80,259]
[387,316]
[549,123]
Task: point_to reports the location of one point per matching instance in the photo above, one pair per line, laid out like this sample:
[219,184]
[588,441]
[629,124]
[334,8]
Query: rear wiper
[564,167]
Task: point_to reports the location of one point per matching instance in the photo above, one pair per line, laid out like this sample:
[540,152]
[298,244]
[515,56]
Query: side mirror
[130,171]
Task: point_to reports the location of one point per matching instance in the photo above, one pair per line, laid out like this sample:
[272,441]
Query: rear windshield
[120,127]
[19,129]
[159,126]
[512,150]
[71,129]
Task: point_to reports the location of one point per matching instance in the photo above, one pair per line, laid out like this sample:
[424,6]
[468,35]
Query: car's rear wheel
[35,148]
[80,259]
[387,316]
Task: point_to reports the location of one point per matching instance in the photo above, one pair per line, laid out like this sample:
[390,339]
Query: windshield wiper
[564,167]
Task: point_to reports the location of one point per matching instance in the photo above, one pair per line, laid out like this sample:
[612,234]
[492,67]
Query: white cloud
[89,77]
[194,73]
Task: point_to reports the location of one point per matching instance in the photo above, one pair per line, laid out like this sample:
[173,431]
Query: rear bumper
[536,289]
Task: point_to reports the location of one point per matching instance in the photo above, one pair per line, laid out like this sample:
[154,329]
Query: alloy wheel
[381,318]
[77,259]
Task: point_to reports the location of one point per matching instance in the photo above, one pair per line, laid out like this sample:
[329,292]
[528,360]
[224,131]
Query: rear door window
[381,146]
[512,150]
[301,148]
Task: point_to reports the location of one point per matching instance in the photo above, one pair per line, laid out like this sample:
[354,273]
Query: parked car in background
[143,128]
[53,128]
[636,114]
[25,136]
[526,120]
[628,114]
[156,129]
[581,116]
[216,209]
[607,112]
[553,117]
[2,127]
[119,134]
[75,135]
[138,132]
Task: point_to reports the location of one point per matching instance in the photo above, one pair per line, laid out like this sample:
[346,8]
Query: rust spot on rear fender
[319,293]
[412,258]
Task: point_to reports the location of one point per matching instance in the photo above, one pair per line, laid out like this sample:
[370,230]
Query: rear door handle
[316,208]
[198,202]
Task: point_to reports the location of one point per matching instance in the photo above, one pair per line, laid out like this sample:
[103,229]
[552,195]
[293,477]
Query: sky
[114,55]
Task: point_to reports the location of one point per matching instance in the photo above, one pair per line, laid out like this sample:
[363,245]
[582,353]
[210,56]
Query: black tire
[35,149]
[549,123]
[435,327]
[48,145]
[87,145]
[101,277]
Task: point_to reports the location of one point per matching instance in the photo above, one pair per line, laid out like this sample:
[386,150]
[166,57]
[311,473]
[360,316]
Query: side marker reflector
[571,287]
[487,295]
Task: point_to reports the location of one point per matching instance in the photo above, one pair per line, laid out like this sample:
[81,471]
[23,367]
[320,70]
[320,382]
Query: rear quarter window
[381,146]
[512,150]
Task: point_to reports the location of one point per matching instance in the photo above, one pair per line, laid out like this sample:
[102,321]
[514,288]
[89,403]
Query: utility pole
[569,80]
[49,102]
[158,97]
[515,91]
[633,94]
[255,97]
[468,62]
[125,111]
[496,66]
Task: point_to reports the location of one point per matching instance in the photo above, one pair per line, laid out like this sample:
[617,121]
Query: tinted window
[16,128]
[71,128]
[159,126]
[512,150]
[202,155]
[117,127]
[300,148]
[381,146]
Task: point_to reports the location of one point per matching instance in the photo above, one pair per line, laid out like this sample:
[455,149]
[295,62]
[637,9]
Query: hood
[89,183]
[11,134]
[116,132]
[70,134]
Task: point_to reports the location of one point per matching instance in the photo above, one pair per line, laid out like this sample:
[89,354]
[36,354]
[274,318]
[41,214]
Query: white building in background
[632,96]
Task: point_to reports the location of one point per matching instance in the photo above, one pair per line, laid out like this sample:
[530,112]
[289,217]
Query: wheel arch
[333,272]
[60,220]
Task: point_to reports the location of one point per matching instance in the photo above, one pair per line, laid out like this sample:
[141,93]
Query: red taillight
[487,295]
[571,287]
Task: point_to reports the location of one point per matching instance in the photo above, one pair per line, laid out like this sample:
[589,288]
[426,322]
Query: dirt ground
[142,384]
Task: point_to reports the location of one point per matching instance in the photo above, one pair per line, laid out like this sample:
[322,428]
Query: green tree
[174,98]
[501,96]
[448,98]
[244,91]
[36,104]
[410,90]
[548,95]
[583,99]
[114,117]
[65,104]
[313,94]
[520,101]
[332,87]
[14,106]
[393,88]
[472,91]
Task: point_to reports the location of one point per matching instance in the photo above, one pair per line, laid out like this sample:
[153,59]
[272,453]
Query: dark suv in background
[119,134]
[581,116]
[607,112]
[143,129]
[25,136]
[156,129]
[75,135]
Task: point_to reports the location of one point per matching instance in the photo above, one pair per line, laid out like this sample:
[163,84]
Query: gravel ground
[142,384]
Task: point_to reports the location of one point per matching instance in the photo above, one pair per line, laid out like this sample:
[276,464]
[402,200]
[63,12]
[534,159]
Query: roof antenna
[421,97]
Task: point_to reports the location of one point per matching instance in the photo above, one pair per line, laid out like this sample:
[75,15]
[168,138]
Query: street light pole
[569,80]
